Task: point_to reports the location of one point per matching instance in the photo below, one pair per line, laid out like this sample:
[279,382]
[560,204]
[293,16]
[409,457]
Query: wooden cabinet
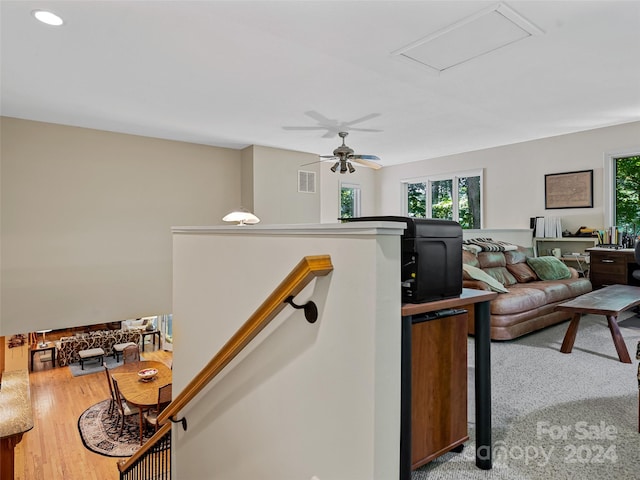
[438,386]
[612,267]
[433,387]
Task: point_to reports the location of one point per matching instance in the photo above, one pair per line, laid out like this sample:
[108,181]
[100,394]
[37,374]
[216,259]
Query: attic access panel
[470,38]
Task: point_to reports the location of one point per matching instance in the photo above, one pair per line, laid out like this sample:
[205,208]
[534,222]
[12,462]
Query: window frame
[357,199]
[609,189]
[454,177]
[610,182]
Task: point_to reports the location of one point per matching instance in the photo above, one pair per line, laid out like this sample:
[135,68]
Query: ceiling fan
[344,155]
[333,126]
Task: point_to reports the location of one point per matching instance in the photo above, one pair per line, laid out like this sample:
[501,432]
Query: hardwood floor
[53,449]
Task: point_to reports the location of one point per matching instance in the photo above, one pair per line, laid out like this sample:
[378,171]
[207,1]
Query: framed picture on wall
[568,190]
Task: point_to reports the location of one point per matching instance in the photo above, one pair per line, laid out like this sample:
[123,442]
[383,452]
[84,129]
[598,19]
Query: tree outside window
[455,197]
[349,201]
[627,194]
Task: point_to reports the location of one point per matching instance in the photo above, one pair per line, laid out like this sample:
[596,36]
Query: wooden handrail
[307,269]
[124,465]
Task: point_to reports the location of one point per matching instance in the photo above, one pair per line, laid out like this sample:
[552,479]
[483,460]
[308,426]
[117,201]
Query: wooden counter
[16,416]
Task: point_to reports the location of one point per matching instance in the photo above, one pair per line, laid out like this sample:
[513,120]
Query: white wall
[87,216]
[514,176]
[317,399]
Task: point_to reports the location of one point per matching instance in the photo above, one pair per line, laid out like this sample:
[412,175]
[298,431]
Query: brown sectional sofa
[530,302]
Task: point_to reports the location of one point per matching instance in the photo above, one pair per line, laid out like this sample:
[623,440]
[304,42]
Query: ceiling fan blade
[373,130]
[365,160]
[365,157]
[312,163]
[331,132]
[362,119]
[303,128]
[318,117]
[323,158]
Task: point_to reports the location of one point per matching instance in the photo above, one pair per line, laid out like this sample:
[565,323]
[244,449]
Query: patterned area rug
[100,432]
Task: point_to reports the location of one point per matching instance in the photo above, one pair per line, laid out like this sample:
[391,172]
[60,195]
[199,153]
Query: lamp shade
[242,216]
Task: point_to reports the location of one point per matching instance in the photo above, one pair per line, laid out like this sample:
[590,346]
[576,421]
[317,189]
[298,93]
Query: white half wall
[305,399]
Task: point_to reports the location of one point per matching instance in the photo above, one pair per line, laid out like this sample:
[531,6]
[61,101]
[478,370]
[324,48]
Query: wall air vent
[306,181]
[486,31]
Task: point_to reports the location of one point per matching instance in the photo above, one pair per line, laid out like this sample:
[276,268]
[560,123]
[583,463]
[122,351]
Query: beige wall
[247,179]
[16,358]
[276,198]
[364,177]
[514,175]
[87,216]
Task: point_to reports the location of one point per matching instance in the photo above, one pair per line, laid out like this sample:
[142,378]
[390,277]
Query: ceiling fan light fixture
[242,216]
[346,156]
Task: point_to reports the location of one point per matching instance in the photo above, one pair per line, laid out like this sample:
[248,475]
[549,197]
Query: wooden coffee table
[608,301]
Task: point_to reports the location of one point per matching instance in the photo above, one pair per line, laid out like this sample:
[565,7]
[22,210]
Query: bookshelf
[567,245]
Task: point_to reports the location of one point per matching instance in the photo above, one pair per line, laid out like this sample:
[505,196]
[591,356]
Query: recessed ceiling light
[49,18]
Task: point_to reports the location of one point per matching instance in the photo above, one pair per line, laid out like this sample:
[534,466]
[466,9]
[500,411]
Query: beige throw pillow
[478,274]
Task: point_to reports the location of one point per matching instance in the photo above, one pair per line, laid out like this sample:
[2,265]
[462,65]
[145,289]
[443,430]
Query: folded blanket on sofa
[489,245]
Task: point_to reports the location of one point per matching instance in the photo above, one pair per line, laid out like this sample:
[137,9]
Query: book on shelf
[613,236]
[549,227]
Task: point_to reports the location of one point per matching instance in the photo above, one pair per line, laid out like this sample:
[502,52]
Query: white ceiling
[238,73]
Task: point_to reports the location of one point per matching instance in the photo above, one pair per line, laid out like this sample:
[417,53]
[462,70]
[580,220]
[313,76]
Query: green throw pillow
[478,274]
[549,268]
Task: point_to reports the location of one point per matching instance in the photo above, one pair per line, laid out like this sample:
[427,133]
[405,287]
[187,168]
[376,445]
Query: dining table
[137,391]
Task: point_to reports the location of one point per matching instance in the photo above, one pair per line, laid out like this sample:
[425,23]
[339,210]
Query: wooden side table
[50,347]
[154,334]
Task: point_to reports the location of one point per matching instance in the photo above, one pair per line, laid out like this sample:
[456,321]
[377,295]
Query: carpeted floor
[556,416]
[100,432]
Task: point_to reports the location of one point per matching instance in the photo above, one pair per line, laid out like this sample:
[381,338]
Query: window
[621,187]
[349,200]
[165,325]
[623,172]
[456,196]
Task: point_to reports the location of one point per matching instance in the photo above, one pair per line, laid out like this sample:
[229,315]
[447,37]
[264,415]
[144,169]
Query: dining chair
[131,354]
[124,408]
[164,399]
[112,403]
